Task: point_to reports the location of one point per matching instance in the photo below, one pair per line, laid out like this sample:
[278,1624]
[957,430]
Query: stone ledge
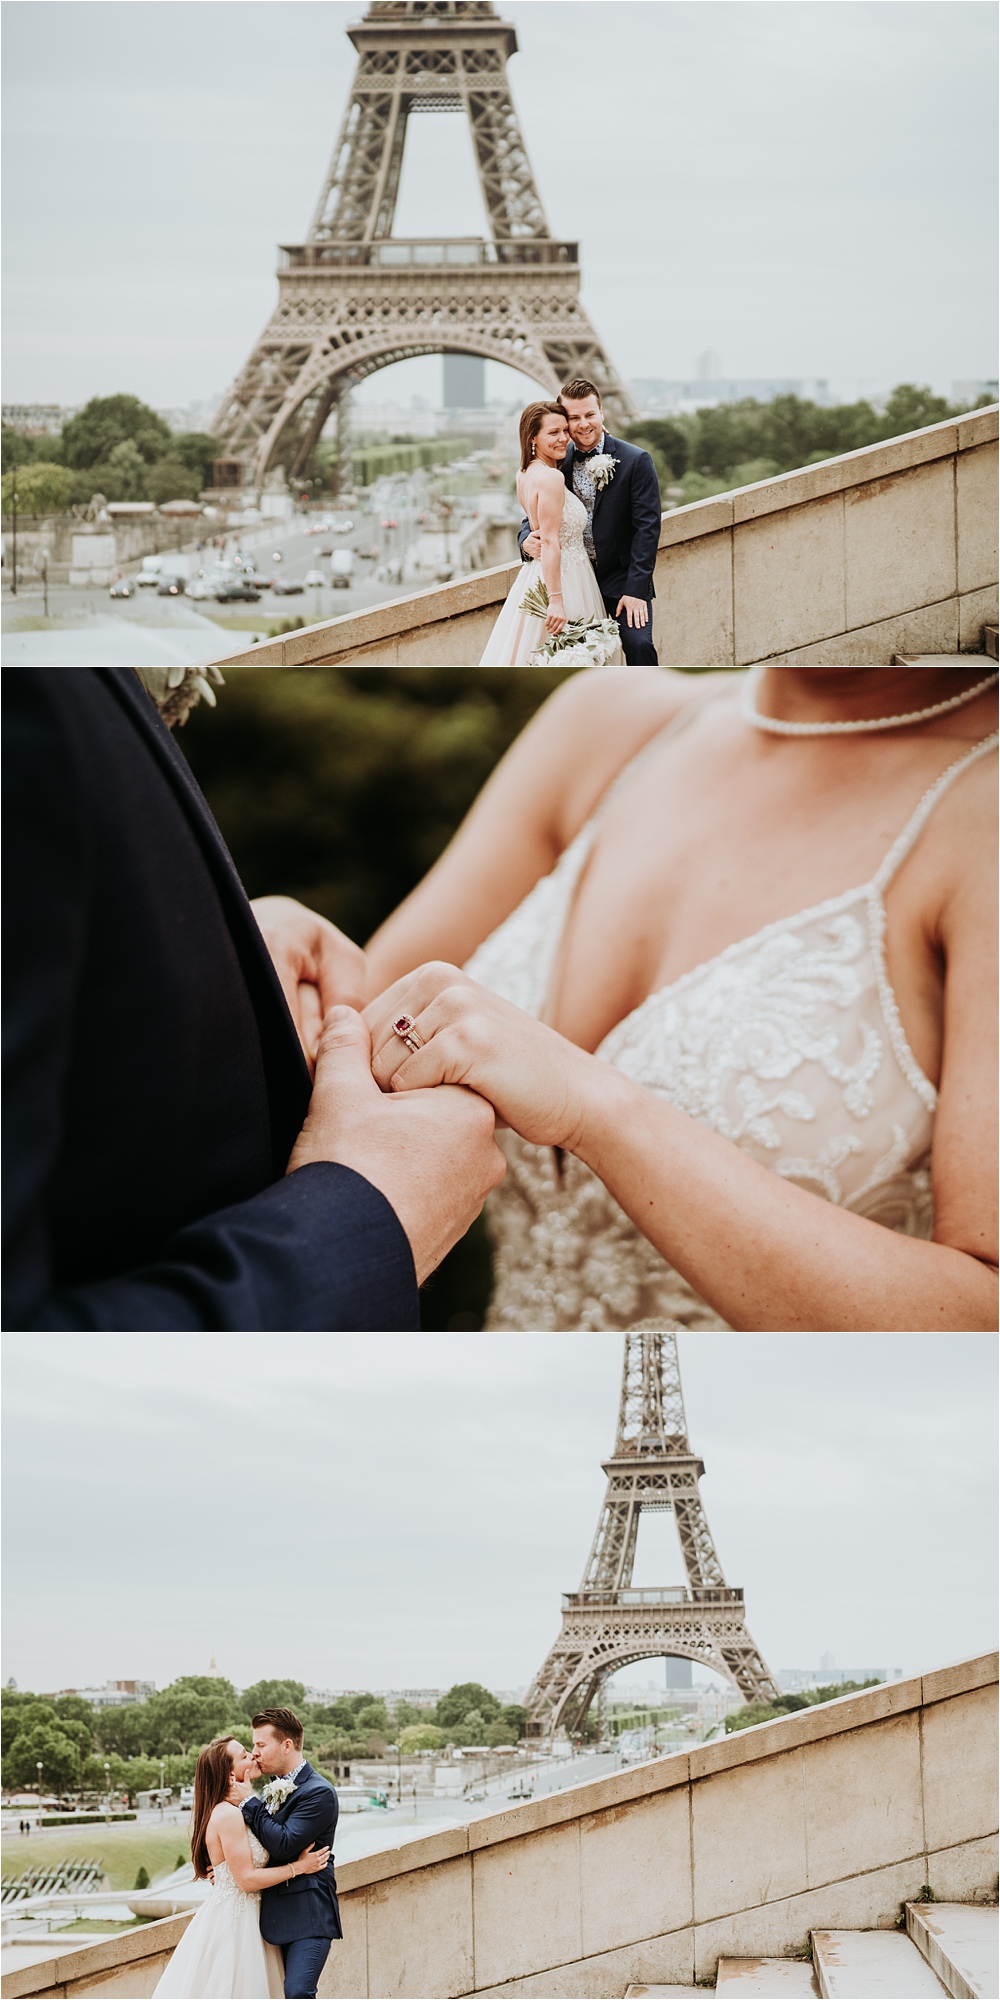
[104,1957]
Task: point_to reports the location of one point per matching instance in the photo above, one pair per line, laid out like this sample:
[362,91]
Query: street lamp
[45,583]
[163,1766]
[107,1784]
[13,509]
[39,1768]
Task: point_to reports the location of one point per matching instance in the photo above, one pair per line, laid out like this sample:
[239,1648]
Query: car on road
[314,579]
[326,552]
[343,525]
[123,588]
[389,522]
[170,586]
[287,586]
[237,590]
[342,569]
[367,554]
[200,588]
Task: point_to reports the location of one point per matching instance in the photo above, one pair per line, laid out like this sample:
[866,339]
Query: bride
[565,569]
[222,1955]
[728,981]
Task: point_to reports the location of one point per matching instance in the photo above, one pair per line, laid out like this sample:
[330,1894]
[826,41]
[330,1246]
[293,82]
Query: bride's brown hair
[531,424]
[212,1779]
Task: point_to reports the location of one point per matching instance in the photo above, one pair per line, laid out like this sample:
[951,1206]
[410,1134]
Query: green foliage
[16,449]
[420,1736]
[93,435]
[142,1878]
[789,1704]
[737,444]
[42,488]
[171,479]
[462,1703]
[274,1694]
[197,451]
[371,461]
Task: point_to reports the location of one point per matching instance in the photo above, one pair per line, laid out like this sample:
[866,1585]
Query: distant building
[660,398]
[114,1694]
[797,1680]
[37,419]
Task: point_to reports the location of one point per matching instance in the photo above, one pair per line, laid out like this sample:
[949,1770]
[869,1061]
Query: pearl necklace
[752,714]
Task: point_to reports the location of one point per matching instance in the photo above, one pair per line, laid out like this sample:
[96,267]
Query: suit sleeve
[647,515]
[309,1817]
[320,1250]
[522,534]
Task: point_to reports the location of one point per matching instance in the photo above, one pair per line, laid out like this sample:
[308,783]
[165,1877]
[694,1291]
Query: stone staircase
[987,649]
[946,1948]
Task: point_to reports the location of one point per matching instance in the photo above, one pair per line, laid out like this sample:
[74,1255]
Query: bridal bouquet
[177,690]
[583,642]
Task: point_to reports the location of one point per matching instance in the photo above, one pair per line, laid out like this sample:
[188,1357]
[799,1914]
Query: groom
[302,1916]
[623,520]
[168,1167]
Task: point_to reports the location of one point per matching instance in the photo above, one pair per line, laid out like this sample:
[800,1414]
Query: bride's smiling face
[552,440]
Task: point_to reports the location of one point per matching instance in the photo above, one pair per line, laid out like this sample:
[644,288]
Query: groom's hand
[431,1153]
[532,546]
[317,965]
[635,608]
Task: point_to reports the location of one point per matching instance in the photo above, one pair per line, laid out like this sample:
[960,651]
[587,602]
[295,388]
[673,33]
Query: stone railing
[892,549]
[830,1818]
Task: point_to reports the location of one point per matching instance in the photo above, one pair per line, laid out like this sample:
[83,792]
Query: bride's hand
[239,1789]
[317,965]
[312,1860]
[556,620]
[536,1080]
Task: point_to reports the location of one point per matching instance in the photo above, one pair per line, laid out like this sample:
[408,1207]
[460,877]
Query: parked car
[287,586]
[123,588]
[237,590]
[314,579]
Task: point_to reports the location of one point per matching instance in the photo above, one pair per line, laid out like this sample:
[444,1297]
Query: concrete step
[769,1978]
[934,659]
[676,1992]
[960,1941]
[871,1965]
[991,641]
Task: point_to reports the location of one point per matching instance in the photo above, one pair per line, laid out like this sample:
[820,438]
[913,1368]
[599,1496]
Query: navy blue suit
[305,1908]
[153,1080]
[627,517]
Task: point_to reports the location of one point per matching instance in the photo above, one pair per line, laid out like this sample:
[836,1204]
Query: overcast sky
[805,186]
[388,1510]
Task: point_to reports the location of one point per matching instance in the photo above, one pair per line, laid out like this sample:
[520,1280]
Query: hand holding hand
[537,1081]
[636,610]
[317,965]
[311,1861]
[431,1153]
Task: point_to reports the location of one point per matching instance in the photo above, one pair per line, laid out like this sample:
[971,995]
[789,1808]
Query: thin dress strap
[915,824]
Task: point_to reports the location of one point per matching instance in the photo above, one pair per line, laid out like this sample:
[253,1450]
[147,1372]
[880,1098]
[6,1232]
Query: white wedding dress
[515,636]
[789,1043]
[222,1955]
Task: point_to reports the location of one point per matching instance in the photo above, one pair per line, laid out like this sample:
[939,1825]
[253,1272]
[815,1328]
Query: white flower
[177,690]
[602,469]
[275,1794]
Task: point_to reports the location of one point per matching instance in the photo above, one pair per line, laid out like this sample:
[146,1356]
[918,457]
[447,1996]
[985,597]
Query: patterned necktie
[585,490]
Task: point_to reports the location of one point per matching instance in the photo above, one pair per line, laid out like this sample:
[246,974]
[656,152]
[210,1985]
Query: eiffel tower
[353,298]
[606,1624]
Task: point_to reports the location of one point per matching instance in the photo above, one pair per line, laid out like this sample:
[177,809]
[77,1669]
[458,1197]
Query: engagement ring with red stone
[405,1027]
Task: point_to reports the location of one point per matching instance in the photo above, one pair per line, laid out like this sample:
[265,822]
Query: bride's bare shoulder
[601,718]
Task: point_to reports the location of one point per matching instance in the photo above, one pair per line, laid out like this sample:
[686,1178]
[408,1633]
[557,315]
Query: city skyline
[159,214]
[428,1502]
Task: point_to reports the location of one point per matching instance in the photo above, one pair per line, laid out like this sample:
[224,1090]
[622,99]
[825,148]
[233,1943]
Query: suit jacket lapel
[611,446]
[286,1072]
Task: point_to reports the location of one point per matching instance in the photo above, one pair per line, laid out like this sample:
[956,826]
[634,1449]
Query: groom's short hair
[579,388]
[282,1721]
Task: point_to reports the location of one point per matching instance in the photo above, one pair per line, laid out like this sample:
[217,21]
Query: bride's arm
[231,1829]
[769,1256]
[550,497]
[530,808]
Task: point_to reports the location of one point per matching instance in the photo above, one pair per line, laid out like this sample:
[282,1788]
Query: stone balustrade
[892,549]
[830,1818]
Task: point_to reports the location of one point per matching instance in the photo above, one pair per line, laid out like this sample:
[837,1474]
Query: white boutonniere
[177,690]
[602,469]
[275,1794]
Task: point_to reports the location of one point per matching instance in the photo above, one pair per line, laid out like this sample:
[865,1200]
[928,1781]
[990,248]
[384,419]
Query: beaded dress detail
[515,636]
[222,1955]
[788,1042]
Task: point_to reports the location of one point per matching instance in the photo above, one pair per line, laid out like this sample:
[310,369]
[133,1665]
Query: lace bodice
[789,1043]
[574,520]
[224,1884]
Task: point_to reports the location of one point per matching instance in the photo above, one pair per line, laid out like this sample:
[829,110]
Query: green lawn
[98,1926]
[123,1849]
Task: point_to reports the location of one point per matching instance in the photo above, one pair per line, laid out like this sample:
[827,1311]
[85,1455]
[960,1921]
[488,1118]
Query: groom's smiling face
[585,418]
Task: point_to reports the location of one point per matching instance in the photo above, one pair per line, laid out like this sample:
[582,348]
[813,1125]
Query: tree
[47,1745]
[142,1877]
[515,1717]
[500,1732]
[73,1708]
[15,448]
[274,1694]
[21,1714]
[467,1697]
[197,451]
[419,1736]
[374,1716]
[121,476]
[92,435]
[912,408]
[41,488]
[663,439]
[171,479]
